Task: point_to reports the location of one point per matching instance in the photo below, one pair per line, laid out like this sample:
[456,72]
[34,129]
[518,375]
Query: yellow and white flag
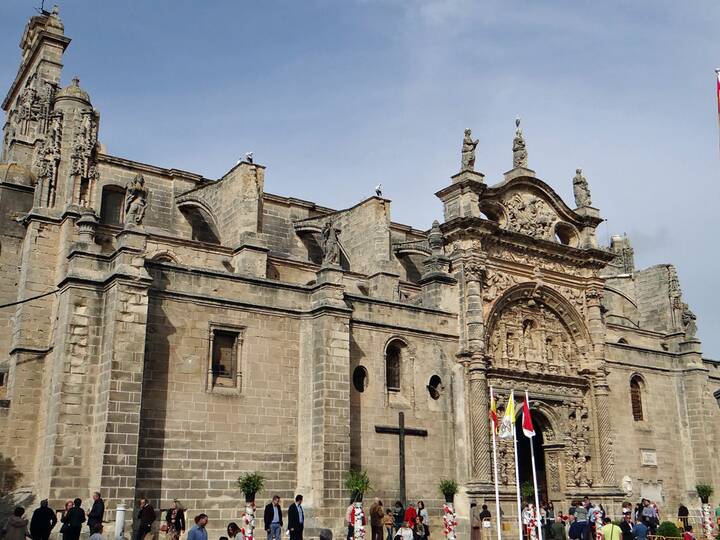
[507,425]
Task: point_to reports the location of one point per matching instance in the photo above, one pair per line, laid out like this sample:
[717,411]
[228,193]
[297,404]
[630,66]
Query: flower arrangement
[449,521]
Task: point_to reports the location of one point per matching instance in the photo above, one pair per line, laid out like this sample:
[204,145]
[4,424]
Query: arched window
[393,355]
[636,398]
[360,378]
[111,207]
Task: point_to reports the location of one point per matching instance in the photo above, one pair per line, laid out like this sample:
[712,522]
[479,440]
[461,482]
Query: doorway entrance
[525,461]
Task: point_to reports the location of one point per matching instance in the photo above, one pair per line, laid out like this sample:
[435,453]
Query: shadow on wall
[9,497]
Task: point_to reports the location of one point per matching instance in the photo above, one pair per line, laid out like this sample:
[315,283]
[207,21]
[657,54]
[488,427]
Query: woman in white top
[405,532]
[422,511]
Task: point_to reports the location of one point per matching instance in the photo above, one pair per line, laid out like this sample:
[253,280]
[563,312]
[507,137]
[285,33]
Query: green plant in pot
[704,491]
[250,484]
[449,489]
[358,483]
[668,529]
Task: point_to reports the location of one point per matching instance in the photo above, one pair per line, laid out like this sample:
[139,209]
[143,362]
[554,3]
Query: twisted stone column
[479,408]
[601,392]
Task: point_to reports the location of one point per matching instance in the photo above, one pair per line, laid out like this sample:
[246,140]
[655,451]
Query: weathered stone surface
[110,382]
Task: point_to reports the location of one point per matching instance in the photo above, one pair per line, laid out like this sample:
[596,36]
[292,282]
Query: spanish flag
[507,426]
[493,412]
[527,425]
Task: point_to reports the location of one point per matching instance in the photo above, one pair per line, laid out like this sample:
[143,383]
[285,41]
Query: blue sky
[334,96]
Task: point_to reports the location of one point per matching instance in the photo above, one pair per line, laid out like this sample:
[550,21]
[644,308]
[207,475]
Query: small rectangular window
[2,378]
[112,205]
[224,359]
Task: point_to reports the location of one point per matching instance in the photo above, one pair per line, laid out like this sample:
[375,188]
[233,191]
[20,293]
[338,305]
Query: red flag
[493,412]
[717,73]
[527,425]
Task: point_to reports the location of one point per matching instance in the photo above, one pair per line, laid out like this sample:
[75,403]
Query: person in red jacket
[410,513]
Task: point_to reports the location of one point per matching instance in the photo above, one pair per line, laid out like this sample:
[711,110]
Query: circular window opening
[435,387]
[360,378]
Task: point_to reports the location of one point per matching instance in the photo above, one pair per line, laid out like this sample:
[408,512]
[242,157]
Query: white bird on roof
[378,190]
[247,158]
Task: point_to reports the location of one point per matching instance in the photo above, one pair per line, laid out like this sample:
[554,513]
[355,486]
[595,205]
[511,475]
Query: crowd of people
[396,523]
[585,520]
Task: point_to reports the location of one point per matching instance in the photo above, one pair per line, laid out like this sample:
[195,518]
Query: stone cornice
[492,234]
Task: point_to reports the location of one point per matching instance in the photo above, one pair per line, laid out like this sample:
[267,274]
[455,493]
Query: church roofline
[64,41]
[153,169]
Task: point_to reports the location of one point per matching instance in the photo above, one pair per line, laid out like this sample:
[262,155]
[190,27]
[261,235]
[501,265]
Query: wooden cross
[402,432]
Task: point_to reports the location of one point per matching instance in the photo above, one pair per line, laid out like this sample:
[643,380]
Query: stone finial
[520,156]
[581,190]
[331,244]
[435,238]
[136,195]
[467,161]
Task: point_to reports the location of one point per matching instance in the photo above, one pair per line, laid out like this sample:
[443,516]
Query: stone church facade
[169,332]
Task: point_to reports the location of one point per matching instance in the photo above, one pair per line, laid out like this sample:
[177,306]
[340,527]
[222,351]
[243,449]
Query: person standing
[296,519]
[420,531]
[74,519]
[146,517]
[398,515]
[422,511]
[273,519]
[405,532]
[174,521]
[96,512]
[688,534]
[376,517]
[410,514]
[610,531]
[683,514]
[640,531]
[388,523]
[97,530]
[626,527]
[558,528]
[475,522]
[233,529]
[15,528]
[199,532]
[43,521]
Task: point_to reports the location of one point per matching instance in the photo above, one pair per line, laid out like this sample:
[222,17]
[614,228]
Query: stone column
[601,394]
[601,391]
[473,270]
[479,427]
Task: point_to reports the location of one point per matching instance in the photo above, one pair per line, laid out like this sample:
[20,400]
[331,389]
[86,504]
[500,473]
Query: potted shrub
[358,483]
[527,491]
[448,488]
[704,491]
[250,484]
[668,529]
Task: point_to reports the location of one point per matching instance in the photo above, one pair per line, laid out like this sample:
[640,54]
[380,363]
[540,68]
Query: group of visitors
[44,520]
[396,523]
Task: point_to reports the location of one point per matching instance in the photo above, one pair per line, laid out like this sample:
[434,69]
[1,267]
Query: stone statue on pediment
[331,244]
[581,190]
[468,152]
[520,156]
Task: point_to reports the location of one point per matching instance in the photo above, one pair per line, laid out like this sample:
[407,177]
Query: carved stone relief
[495,283]
[82,159]
[531,336]
[528,214]
[46,161]
[578,448]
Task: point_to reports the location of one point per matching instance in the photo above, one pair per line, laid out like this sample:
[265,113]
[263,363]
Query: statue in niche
[550,349]
[467,162]
[581,190]
[519,151]
[135,201]
[529,344]
[510,345]
[331,244]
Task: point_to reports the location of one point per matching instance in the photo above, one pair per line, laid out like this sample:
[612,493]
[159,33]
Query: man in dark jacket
[74,519]
[42,522]
[145,516]
[273,519]
[296,519]
[97,512]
